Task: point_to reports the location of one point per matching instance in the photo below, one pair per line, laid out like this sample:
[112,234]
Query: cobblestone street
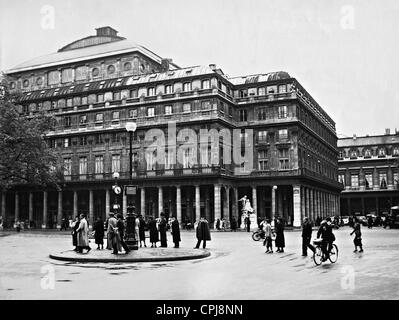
[238,268]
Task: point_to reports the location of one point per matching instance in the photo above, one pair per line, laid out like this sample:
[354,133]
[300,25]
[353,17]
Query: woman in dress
[152,226]
[280,241]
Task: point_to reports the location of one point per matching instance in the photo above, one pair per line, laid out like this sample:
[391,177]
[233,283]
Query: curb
[122,258]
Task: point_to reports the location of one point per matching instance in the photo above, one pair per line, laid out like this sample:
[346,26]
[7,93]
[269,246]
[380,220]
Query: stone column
[218,214]
[235,204]
[254,217]
[307,203]
[160,200]
[75,203]
[44,223]
[142,201]
[197,203]
[339,204]
[3,208]
[30,207]
[207,205]
[274,188]
[91,209]
[178,204]
[59,210]
[16,209]
[311,206]
[107,200]
[297,205]
[303,204]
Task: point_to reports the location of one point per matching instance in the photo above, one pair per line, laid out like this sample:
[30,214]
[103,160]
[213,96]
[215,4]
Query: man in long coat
[306,236]
[175,232]
[142,226]
[152,226]
[203,233]
[99,233]
[83,235]
[162,230]
[75,226]
[280,240]
[113,235]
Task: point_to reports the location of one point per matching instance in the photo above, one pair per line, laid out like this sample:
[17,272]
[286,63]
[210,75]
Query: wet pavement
[238,268]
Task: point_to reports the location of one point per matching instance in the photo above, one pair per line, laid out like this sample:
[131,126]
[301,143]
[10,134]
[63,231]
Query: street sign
[130,190]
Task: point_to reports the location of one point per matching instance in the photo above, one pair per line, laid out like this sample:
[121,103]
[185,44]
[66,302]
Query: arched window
[111,69]
[367,153]
[127,66]
[381,152]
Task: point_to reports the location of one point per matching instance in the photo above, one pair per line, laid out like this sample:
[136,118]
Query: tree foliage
[24,155]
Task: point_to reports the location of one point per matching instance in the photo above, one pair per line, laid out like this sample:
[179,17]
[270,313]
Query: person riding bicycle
[326,234]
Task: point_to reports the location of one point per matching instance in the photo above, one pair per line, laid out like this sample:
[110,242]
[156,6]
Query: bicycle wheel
[256,236]
[333,254]
[318,256]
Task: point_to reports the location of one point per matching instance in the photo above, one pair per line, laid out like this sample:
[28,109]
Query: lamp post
[131,236]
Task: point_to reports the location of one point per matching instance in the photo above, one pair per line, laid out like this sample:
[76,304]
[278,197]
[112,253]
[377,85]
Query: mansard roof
[368,141]
[272,76]
[101,50]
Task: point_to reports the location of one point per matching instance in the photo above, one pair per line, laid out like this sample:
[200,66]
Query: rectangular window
[383,180]
[81,73]
[67,122]
[205,84]
[169,89]
[243,93]
[368,177]
[134,93]
[151,91]
[341,179]
[116,95]
[151,112]
[150,158]
[116,163]
[284,164]
[205,105]
[99,139]
[282,88]
[262,160]
[83,140]
[133,113]
[66,75]
[262,114]
[100,97]
[282,112]
[116,137]
[69,102]
[115,116]
[100,164]
[261,91]
[99,117]
[243,115]
[83,119]
[283,134]
[187,86]
[67,166]
[67,142]
[82,165]
[168,110]
[84,100]
[262,136]
[355,181]
[186,107]
[53,77]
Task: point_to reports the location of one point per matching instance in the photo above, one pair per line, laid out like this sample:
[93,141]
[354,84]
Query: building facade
[368,168]
[97,84]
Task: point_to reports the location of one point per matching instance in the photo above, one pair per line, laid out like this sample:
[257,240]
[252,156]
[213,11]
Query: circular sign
[117,190]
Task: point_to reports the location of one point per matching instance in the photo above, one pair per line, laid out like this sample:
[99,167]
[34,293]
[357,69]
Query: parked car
[345,220]
[363,220]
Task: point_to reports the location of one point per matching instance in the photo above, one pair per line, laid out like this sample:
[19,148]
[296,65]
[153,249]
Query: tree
[24,155]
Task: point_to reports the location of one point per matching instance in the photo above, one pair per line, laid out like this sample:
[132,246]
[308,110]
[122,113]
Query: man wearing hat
[327,236]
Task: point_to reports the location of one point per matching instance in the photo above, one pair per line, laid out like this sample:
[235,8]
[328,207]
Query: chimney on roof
[106,31]
[212,66]
[165,64]
[387,131]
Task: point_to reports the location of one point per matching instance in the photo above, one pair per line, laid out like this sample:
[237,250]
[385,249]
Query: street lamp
[131,239]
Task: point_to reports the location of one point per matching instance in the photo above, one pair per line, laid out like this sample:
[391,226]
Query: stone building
[368,168]
[95,85]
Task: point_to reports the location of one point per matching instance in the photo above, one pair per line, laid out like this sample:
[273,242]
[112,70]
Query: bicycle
[318,253]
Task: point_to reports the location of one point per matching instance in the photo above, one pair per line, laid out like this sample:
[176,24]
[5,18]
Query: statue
[246,210]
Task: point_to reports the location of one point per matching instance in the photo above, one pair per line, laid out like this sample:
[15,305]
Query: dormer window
[395,152]
[367,153]
[381,152]
[353,154]
[111,69]
[151,91]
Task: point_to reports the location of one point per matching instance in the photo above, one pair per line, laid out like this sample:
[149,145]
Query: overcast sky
[343,52]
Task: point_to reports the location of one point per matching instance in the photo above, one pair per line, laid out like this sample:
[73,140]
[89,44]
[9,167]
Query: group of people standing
[265,225]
